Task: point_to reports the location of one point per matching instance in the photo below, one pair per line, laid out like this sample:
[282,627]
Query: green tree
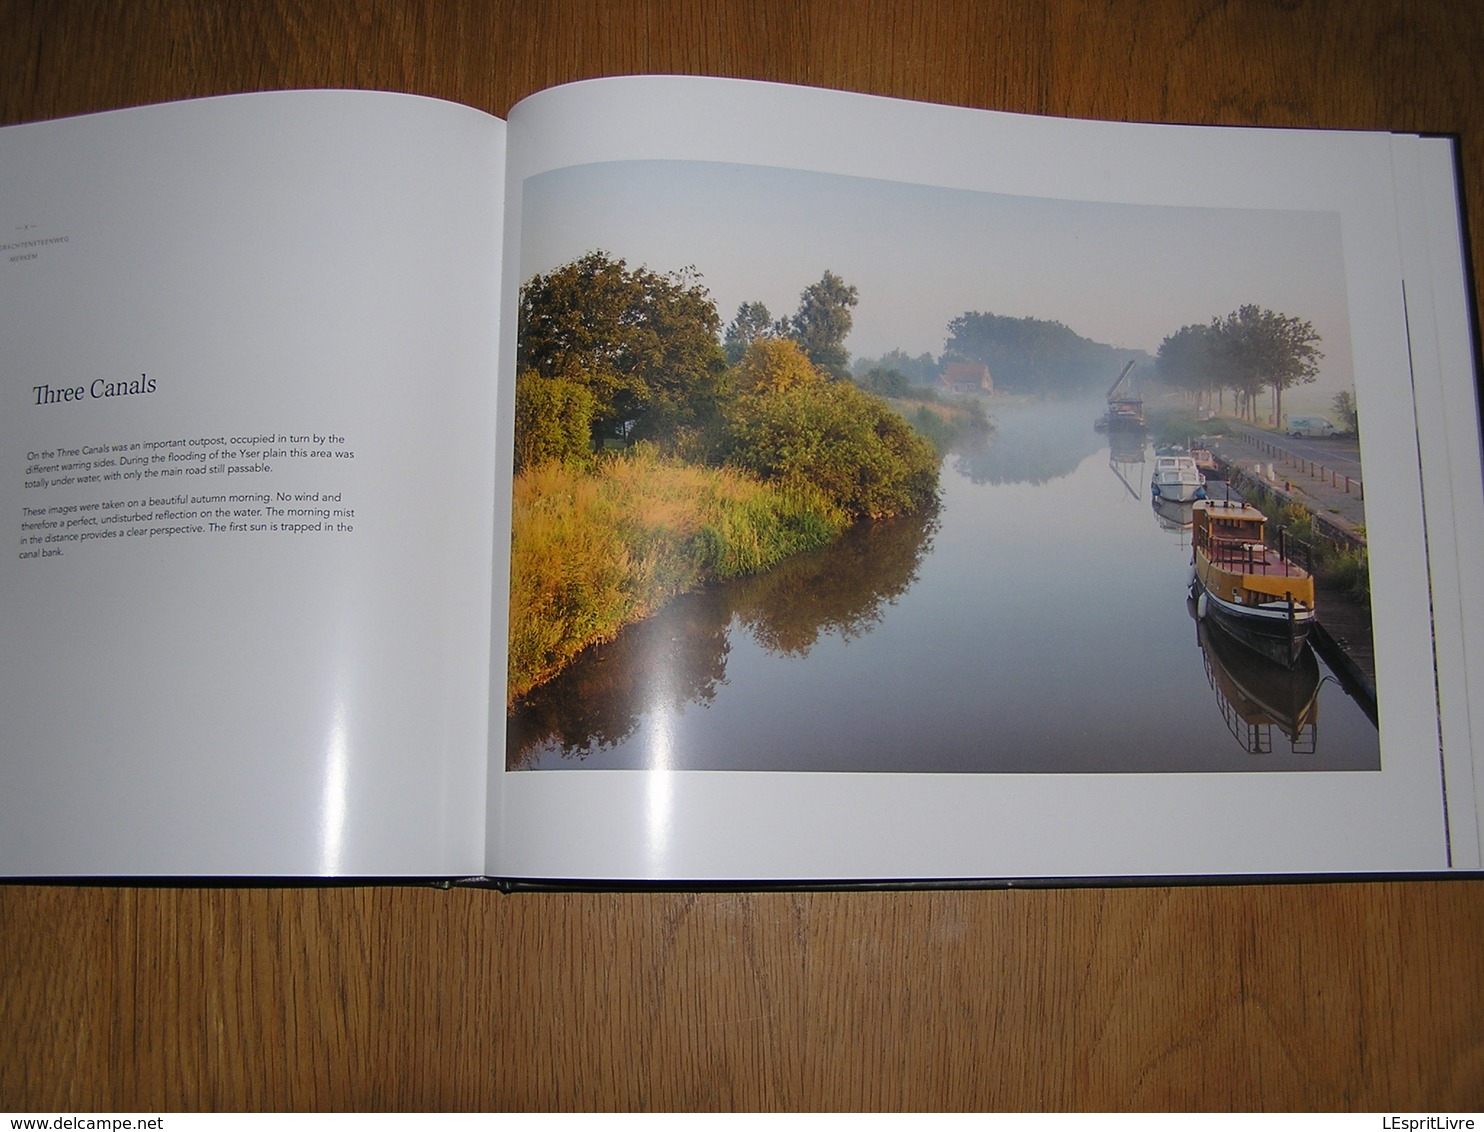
[921,370]
[774,364]
[1344,406]
[643,343]
[752,322]
[823,321]
[1193,360]
[1249,350]
[828,436]
[1265,349]
[890,383]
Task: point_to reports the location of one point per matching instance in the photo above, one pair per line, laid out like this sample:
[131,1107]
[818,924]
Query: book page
[1024,676]
[1447,414]
[249,346]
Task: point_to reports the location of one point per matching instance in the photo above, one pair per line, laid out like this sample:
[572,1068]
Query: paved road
[1324,474]
[1339,452]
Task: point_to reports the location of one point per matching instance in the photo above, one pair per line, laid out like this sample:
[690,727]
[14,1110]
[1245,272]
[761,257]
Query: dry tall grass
[593,551]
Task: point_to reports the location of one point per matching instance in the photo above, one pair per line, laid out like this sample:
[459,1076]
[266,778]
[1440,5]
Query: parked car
[1311,426]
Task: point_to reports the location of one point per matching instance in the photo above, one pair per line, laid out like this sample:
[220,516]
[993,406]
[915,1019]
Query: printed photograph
[824,473]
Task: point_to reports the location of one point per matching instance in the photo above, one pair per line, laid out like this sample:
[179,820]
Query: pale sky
[1127,275]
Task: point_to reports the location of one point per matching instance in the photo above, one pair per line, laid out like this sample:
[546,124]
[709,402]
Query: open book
[898,585]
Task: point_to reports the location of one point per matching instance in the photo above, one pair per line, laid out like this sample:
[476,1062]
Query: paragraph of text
[246,501]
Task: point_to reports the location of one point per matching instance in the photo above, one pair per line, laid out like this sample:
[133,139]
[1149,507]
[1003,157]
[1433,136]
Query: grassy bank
[944,422]
[595,550]
[1180,426]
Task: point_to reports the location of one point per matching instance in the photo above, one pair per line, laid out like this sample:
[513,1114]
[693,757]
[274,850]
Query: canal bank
[1342,631]
[1038,623]
[1336,503]
[1342,634]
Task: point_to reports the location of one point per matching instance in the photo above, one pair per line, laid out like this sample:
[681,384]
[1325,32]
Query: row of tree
[1250,351]
[641,354]
[923,369]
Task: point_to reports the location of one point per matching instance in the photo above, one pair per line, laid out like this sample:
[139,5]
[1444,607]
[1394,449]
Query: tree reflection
[660,664]
[1034,443]
[679,656]
[841,590]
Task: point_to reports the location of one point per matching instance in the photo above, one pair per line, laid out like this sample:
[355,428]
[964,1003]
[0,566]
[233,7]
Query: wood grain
[1344,996]
[1351,996]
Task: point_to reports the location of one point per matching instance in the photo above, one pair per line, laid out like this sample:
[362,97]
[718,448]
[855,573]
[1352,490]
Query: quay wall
[1342,627]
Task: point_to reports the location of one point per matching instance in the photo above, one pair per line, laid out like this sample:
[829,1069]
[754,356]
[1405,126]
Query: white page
[1447,406]
[315,269]
[667,824]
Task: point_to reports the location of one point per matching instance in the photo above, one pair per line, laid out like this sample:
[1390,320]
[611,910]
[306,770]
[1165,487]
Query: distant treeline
[1024,355]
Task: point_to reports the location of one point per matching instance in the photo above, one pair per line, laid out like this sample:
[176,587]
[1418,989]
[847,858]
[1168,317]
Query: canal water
[1036,622]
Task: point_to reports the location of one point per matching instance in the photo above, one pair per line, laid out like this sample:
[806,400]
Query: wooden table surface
[1338,996]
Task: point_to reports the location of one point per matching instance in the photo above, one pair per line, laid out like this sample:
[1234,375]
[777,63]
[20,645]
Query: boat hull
[1276,630]
[1177,491]
[1176,478]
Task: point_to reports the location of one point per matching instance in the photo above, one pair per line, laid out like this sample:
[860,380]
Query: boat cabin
[1229,530]
[1229,537]
[1264,600]
[1125,413]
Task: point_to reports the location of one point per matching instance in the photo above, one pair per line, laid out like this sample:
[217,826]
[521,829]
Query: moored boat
[1125,413]
[1176,478]
[1205,461]
[1256,593]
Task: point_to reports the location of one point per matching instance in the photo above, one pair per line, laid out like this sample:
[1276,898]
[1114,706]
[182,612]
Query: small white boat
[1177,479]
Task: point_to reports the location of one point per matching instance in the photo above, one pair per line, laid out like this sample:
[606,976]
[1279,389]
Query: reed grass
[594,550]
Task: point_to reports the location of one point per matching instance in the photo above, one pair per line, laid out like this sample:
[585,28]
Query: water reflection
[1126,447]
[1173,516]
[1033,443]
[1126,460]
[841,591]
[1257,698]
[659,665]
[678,658]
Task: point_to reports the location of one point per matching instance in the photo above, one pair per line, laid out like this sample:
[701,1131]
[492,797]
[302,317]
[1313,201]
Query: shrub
[553,421]
[837,440]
